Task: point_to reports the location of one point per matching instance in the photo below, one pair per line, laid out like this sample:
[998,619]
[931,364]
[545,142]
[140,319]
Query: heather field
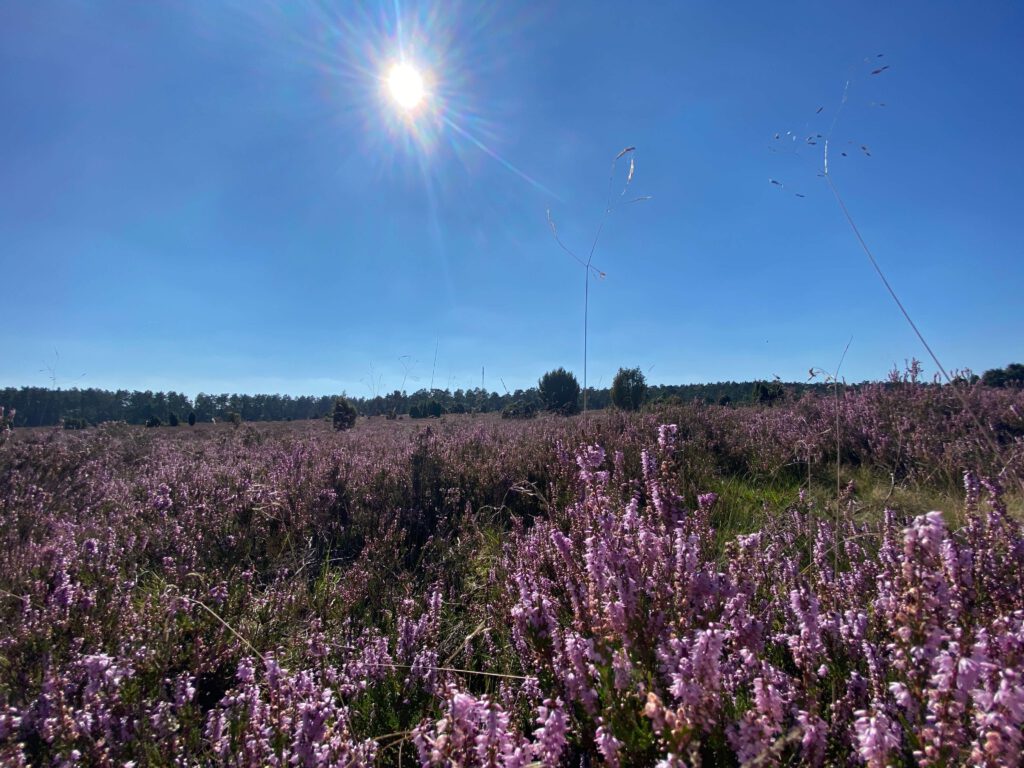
[694,585]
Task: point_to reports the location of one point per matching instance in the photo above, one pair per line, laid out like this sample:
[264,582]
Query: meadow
[835,579]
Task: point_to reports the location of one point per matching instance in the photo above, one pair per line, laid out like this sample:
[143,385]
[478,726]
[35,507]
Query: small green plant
[75,422]
[192,419]
[344,415]
[629,388]
[560,392]
[172,420]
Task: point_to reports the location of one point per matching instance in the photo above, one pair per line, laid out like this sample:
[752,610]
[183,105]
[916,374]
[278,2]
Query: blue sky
[218,196]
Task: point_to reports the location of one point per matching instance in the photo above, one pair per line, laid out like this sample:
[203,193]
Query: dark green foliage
[344,415]
[559,391]
[431,409]
[154,421]
[767,393]
[172,420]
[725,400]
[40,407]
[234,417]
[192,419]
[519,410]
[629,389]
[75,422]
[1010,376]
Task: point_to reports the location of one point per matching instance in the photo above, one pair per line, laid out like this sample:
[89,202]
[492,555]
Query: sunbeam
[498,158]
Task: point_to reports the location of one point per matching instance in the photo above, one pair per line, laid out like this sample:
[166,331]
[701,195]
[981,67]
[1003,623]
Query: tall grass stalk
[834,378]
[983,431]
[588,265]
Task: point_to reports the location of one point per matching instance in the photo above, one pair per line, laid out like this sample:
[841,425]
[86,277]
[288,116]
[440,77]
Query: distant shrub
[768,393]
[234,417]
[1010,376]
[559,391]
[431,409]
[172,420]
[75,422]
[192,419]
[344,415]
[154,421]
[519,410]
[629,389]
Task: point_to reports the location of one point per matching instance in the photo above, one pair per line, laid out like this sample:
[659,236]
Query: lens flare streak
[498,158]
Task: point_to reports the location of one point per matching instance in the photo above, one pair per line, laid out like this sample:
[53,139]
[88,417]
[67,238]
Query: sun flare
[405,84]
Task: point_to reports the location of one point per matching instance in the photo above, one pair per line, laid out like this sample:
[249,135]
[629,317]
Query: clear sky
[208,196]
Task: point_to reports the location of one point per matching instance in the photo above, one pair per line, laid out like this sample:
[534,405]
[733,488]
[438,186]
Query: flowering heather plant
[6,422]
[505,593]
[629,615]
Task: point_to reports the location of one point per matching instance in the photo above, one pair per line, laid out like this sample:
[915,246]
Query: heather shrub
[6,422]
[662,654]
[501,592]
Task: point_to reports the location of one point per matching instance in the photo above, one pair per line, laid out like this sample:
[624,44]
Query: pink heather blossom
[877,737]
[608,746]
[667,434]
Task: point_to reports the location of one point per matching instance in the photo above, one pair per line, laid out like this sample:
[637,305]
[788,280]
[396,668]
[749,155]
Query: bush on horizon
[344,414]
[559,392]
[629,389]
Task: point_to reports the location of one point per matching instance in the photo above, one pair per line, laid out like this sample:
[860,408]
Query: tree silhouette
[344,416]
[629,389]
[559,391]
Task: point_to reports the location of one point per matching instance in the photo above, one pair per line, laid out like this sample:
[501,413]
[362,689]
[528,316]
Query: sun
[405,84]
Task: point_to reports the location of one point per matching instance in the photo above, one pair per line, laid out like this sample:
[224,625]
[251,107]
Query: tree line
[40,406]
